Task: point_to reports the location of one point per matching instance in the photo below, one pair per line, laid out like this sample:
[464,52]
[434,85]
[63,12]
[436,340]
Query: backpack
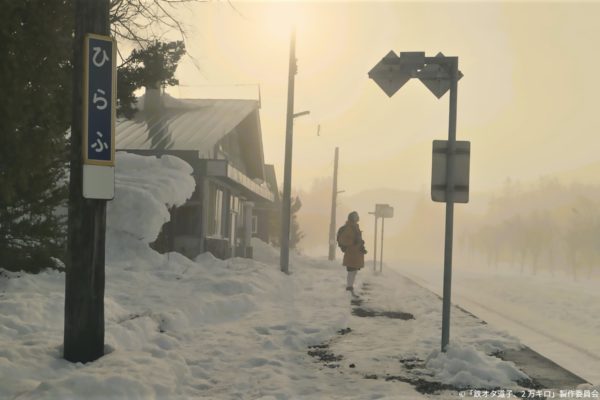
[339,233]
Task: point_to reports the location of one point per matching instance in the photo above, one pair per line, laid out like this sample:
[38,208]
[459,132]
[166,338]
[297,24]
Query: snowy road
[553,316]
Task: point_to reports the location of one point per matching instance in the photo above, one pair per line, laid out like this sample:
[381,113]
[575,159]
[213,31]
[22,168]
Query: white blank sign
[98,182]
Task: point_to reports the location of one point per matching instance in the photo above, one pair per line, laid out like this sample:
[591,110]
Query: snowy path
[395,335]
[557,318]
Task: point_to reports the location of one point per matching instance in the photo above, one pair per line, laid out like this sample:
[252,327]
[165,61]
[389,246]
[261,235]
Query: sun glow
[280,18]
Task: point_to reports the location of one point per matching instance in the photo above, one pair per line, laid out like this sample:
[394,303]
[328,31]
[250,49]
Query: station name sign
[99,100]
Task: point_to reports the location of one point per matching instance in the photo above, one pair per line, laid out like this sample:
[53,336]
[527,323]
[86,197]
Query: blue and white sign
[99,112]
[99,100]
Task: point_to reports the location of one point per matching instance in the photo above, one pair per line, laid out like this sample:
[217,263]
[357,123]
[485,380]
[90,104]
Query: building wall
[215,237]
[262,225]
[213,218]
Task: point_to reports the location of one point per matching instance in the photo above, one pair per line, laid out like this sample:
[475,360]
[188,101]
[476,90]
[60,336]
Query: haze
[527,101]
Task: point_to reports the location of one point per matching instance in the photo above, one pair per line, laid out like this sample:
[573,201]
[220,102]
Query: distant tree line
[548,227]
[35,111]
[296,234]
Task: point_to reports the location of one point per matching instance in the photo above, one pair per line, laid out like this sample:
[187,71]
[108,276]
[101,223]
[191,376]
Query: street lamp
[439,74]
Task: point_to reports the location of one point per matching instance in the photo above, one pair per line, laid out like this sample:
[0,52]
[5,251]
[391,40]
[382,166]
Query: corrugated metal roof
[183,124]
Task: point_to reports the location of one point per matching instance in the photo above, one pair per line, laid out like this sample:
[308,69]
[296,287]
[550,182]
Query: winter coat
[351,238]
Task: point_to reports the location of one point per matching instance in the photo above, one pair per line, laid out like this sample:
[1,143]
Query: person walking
[351,242]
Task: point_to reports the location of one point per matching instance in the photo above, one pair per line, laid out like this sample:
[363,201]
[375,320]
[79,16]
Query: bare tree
[143,21]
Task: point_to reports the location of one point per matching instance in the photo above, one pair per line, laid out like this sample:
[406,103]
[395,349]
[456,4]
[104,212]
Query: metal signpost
[439,74]
[375,243]
[383,211]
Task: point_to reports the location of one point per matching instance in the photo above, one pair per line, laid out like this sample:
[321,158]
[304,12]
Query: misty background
[545,226]
[527,103]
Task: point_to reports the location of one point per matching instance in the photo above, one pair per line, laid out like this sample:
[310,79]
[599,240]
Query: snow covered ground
[235,329]
[552,314]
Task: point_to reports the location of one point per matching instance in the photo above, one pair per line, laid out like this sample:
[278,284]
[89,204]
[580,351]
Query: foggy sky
[527,101]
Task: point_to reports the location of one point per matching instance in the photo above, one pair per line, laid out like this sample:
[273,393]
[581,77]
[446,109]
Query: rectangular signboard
[384,211]
[99,100]
[98,182]
[462,155]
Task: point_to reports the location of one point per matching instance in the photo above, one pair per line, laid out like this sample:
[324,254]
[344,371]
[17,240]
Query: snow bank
[145,188]
[32,306]
[175,328]
[465,366]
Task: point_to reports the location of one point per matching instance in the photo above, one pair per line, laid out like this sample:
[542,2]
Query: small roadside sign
[462,154]
[384,211]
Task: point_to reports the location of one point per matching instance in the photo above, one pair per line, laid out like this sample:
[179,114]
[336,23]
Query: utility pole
[334,192]
[287,173]
[84,288]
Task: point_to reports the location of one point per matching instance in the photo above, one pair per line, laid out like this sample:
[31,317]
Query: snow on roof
[188,124]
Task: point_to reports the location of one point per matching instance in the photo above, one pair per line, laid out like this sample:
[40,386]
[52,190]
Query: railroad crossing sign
[461,159]
[436,77]
[99,109]
[392,72]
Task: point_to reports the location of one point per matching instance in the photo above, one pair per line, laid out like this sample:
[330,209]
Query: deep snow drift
[183,329]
